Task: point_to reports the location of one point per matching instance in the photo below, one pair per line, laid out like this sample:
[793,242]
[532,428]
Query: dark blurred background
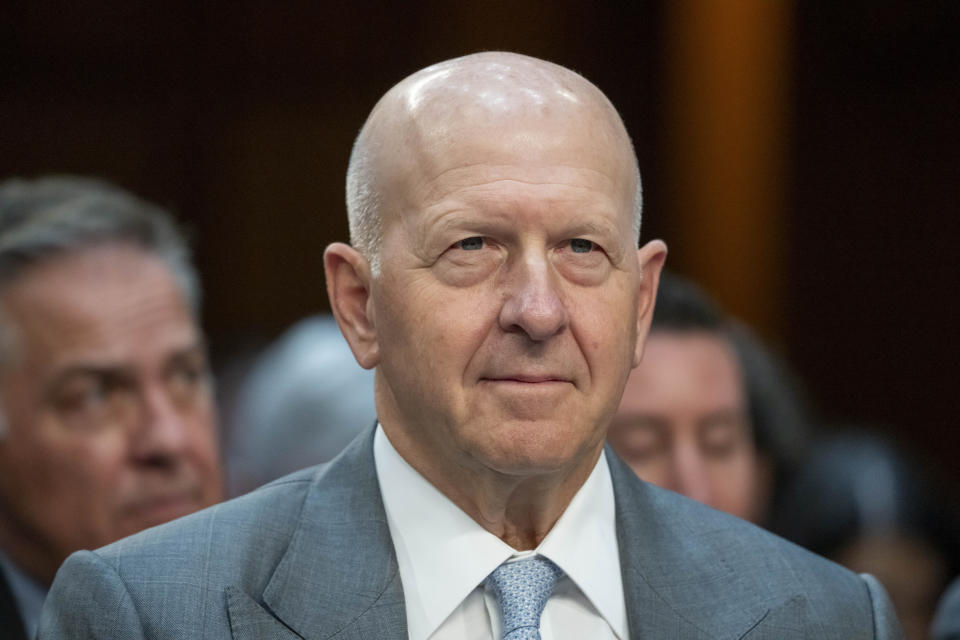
[801,159]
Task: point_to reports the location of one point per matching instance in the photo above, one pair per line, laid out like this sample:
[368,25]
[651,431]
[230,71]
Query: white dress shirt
[444,557]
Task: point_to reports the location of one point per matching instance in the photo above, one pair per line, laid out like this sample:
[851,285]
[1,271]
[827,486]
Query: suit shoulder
[672,521]
[174,575]
[253,524]
[84,584]
[745,545]
[710,565]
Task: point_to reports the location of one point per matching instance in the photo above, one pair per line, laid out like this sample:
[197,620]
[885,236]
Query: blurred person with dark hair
[300,403]
[864,503]
[108,424]
[709,412]
[946,623]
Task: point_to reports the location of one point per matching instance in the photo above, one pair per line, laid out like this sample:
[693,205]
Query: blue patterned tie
[522,589]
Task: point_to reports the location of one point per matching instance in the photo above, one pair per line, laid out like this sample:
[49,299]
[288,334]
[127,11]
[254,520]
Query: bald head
[486,107]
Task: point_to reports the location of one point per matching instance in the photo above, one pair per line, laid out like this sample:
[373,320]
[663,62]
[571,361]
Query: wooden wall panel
[725,149]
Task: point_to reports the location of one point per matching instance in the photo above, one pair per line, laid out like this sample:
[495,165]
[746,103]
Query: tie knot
[522,589]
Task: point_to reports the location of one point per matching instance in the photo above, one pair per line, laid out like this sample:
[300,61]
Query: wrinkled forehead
[104,299]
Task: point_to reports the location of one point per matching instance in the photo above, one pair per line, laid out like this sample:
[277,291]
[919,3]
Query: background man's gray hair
[50,216]
[364,204]
[43,218]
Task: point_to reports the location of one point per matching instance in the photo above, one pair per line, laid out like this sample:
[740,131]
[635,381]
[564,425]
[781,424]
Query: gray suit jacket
[310,556]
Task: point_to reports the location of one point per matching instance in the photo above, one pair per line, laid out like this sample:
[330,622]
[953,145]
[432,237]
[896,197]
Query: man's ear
[348,287]
[651,257]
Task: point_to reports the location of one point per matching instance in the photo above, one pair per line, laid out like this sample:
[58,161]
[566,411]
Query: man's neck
[520,510]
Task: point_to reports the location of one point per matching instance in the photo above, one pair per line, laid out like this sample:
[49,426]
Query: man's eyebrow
[197,350]
[725,417]
[591,227]
[492,221]
[120,370]
[459,220]
[113,371]
[641,419]
[196,347]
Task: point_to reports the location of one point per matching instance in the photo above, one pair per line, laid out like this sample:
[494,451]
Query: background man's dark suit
[10,621]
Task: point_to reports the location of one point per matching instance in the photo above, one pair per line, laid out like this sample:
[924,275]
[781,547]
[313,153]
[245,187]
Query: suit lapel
[339,574]
[250,621]
[674,575]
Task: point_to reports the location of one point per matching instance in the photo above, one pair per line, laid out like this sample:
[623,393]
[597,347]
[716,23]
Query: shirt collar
[443,554]
[583,543]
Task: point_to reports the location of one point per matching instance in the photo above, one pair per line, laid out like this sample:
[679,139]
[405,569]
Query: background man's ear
[348,287]
[651,256]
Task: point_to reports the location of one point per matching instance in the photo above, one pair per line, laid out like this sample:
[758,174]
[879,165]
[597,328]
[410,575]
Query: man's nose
[533,304]
[162,433]
[690,474]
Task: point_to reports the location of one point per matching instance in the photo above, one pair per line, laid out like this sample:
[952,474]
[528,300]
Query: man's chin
[536,452]
[157,511]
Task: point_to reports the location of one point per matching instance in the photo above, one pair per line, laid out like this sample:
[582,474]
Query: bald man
[495,287]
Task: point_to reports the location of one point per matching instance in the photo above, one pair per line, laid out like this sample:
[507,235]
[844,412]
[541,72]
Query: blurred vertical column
[727,103]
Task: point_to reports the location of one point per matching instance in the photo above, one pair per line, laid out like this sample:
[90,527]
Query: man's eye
[186,376]
[471,244]
[81,395]
[579,245]
[94,400]
[723,439]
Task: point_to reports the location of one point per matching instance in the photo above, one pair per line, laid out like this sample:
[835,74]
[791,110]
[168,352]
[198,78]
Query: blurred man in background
[301,402]
[108,421]
[709,412]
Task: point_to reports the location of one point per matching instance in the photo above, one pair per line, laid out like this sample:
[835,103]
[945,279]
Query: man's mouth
[161,508]
[526,379]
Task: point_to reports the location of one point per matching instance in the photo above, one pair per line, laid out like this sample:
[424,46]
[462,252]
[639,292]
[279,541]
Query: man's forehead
[103,300]
[490,88]
[494,108]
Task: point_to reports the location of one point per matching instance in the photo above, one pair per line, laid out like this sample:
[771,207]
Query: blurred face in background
[105,391]
[683,423]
